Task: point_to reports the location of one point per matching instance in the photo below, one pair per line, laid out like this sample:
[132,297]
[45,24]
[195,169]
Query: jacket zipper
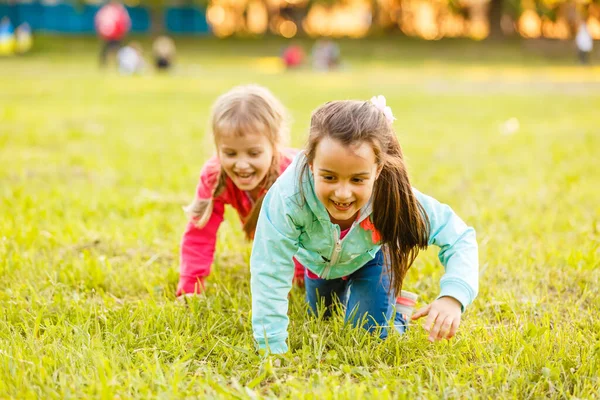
[337,249]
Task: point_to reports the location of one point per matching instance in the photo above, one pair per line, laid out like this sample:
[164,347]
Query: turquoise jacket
[291,226]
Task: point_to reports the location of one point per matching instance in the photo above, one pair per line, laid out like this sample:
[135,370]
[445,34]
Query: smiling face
[344,178]
[246,159]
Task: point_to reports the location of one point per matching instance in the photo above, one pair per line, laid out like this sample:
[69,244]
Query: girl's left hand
[443,318]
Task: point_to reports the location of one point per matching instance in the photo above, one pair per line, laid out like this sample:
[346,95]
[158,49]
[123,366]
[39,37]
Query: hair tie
[379,102]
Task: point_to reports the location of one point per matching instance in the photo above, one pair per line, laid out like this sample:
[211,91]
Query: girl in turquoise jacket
[345,209]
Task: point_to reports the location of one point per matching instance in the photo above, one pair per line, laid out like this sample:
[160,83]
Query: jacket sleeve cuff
[190,285]
[457,291]
[274,347]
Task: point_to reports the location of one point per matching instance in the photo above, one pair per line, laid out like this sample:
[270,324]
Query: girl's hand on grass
[184,299]
[443,318]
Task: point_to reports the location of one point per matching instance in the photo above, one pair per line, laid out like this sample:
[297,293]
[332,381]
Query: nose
[242,165]
[342,192]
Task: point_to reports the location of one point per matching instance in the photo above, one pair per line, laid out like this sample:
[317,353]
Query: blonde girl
[249,127]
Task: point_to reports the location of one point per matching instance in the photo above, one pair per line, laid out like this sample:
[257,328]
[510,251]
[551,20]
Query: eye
[255,153]
[229,153]
[358,180]
[327,177]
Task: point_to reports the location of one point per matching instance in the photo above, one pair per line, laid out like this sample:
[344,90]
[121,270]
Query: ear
[379,169]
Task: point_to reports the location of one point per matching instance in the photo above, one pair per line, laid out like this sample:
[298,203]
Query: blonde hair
[397,214]
[164,46]
[247,109]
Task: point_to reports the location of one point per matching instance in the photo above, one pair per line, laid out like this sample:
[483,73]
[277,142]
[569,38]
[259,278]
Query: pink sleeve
[198,250]
[198,244]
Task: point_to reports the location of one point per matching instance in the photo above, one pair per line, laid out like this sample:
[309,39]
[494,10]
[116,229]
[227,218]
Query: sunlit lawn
[94,169]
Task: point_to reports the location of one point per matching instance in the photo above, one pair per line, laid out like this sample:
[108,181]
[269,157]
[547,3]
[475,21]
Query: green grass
[94,169]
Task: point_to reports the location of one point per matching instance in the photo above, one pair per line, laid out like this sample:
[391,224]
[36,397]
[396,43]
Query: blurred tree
[385,15]
[495,13]
[157,14]
[157,11]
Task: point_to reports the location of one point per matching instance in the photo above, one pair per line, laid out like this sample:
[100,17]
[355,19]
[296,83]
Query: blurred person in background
[130,59]
[584,42]
[112,24]
[7,37]
[163,51]
[293,56]
[23,38]
[325,55]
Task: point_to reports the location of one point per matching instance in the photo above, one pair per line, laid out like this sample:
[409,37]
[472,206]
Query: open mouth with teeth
[246,178]
[342,206]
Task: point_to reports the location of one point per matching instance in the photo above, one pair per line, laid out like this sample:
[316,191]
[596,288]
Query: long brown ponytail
[407,232]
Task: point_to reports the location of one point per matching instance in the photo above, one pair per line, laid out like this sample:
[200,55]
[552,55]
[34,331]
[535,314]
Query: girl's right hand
[443,318]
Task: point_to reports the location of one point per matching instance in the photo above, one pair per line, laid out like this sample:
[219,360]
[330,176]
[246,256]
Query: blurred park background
[497,113]
[428,19]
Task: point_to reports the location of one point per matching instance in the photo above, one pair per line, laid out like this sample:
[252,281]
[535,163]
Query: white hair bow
[379,102]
